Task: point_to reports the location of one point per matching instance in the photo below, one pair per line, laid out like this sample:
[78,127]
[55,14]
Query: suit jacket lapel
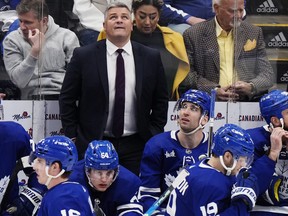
[239,42]
[139,65]
[210,42]
[102,66]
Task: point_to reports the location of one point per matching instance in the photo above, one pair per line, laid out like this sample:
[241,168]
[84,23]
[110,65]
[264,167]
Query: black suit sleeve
[69,95]
[160,101]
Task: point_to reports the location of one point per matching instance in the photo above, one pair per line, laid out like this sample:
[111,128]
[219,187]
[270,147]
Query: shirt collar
[219,29]
[111,48]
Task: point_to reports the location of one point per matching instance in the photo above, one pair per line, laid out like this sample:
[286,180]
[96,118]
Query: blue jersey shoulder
[64,198]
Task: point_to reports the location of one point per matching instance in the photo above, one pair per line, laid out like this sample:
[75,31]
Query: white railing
[42,118]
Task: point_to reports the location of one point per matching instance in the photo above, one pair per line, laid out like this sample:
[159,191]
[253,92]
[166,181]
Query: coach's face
[118,25]
[229,13]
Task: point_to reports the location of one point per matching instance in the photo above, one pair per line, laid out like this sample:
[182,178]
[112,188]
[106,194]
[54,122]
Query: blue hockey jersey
[205,192]
[162,160]
[66,199]
[119,198]
[261,138]
[14,144]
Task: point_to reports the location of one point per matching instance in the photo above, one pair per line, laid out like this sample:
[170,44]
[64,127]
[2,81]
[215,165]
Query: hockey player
[15,149]
[167,153]
[112,187]
[212,188]
[274,108]
[53,160]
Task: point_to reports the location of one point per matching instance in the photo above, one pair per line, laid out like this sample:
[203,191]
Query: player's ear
[275,121]
[55,167]
[228,158]
[204,120]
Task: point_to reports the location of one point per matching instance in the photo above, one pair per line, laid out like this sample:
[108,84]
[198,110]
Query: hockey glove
[245,188]
[26,204]
[272,193]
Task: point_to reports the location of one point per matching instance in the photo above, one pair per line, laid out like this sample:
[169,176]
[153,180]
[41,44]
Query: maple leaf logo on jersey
[169,179]
[171,154]
[265,147]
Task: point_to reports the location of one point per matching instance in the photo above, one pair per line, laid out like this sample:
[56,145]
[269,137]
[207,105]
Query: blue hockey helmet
[234,139]
[273,103]
[101,155]
[197,97]
[57,148]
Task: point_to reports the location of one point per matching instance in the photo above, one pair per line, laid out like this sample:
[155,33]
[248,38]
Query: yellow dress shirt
[226,53]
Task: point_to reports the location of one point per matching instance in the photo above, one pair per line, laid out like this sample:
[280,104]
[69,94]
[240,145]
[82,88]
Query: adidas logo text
[267,7]
[284,78]
[278,41]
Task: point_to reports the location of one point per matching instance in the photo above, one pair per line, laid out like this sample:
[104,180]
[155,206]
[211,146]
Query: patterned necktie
[119,104]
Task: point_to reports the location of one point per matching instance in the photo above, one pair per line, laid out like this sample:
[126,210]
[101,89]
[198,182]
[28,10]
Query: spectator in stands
[180,14]
[111,186]
[36,54]
[7,16]
[91,16]
[88,96]
[8,5]
[243,72]
[14,26]
[171,45]
[166,154]
[274,109]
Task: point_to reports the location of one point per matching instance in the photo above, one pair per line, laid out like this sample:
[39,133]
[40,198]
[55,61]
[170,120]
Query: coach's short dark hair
[115,5]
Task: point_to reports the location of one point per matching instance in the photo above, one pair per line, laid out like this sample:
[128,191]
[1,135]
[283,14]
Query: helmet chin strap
[228,169]
[89,180]
[50,177]
[200,126]
[90,183]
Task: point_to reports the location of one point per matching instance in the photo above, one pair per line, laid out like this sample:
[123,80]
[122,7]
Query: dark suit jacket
[86,81]
[251,65]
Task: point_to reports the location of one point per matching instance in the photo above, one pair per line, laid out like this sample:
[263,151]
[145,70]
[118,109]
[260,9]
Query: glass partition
[270,15]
